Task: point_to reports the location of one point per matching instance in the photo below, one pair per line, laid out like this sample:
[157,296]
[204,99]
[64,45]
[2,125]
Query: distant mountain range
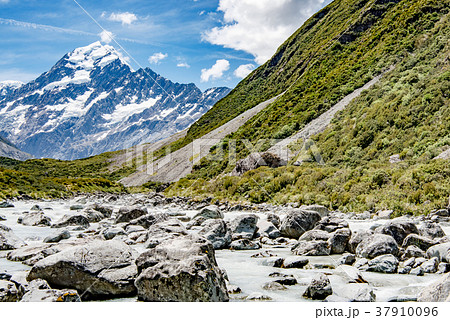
[91,102]
[8,150]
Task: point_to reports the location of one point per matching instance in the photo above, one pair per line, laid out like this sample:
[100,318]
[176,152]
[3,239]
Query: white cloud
[244,70]
[183,65]
[124,17]
[157,57]
[4,1]
[260,27]
[106,36]
[216,71]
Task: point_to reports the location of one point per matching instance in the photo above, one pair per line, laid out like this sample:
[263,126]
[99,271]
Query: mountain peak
[93,55]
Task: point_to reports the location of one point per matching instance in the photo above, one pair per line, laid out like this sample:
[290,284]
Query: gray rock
[443,267]
[421,242]
[298,222]
[413,252]
[385,214]
[357,237]
[417,271]
[377,245]
[410,262]
[430,266]
[311,248]
[196,222]
[244,244]
[9,292]
[356,292]
[312,235]
[51,295]
[347,259]
[106,211]
[442,213]
[256,296]
[268,229]
[439,291]
[431,230]
[127,214]
[100,269]
[243,227]
[294,262]
[210,212]
[274,262]
[441,251]
[404,270]
[319,288]
[76,207]
[419,262]
[256,160]
[6,204]
[57,236]
[147,220]
[181,269]
[111,233]
[72,220]
[398,228]
[339,240]
[216,231]
[385,264]
[274,219]
[8,240]
[93,216]
[35,218]
[2,217]
[321,210]
[362,264]
[165,230]
[274,286]
[331,224]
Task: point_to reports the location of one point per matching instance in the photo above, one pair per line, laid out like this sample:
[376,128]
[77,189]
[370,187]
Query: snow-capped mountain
[6,87]
[91,101]
[8,150]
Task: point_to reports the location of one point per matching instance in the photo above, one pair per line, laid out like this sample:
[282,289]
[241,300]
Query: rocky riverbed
[151,248]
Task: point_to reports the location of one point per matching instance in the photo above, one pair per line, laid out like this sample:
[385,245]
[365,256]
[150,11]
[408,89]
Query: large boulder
[339,240]
[398,228]
[431,230]
[267,229]
[147,220]
[357,237]
[311,248]
[322,210]
[243,227]
[439,291]
[72,220]
[35,218]
[163,231]
[57,236]
[256,160]
[182,269]
[216,231]
[126,214]
[385,264]
[6,204]
[244,244]
[97,270]
[319,288]
[8,240]
[421,242]
[377,245]
[331,224]
[210,212]
[311,235]
[298,222]
[39,291]
[440,251]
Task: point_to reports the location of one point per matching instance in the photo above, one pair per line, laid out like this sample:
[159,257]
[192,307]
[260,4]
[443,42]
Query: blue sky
[207,42]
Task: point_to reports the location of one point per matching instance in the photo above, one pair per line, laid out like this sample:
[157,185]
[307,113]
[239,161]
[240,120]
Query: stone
[93,216]
[431,230]
[57,236]
[127,214]
[106,211]
[274,262]
[243,227]
[312,235]
[98,270]
[439,291]
[418,262]
[431,265]
[385,214]
[357,237]
[244,244]
[404,270]
[377,245]
[294,262]
[413,251]
[361,264]
[355,292]
[2,217]
[423,243]
[287,281]
[51,295]
[8,239]
[347,259]
[6,204]
[441,251]
[76,207]
[267,229]
[319,288]
[196,222]
[216,231]
[398,228]
[180,269]
[298,222]
[9,292]
[321,210]
[111,233]
[256,160]
[35,218]
[165,230]
[72,220]
[256,296]
[385,264]
[147,220]
[351,274]
[410,262]
[331,224]
[443,267]
[311,248]
[274,286]
[442,213]
[339,240]
[210,212]
[417,271]
[274,219]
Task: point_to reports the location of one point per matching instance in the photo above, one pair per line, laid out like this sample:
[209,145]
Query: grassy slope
[407,113]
